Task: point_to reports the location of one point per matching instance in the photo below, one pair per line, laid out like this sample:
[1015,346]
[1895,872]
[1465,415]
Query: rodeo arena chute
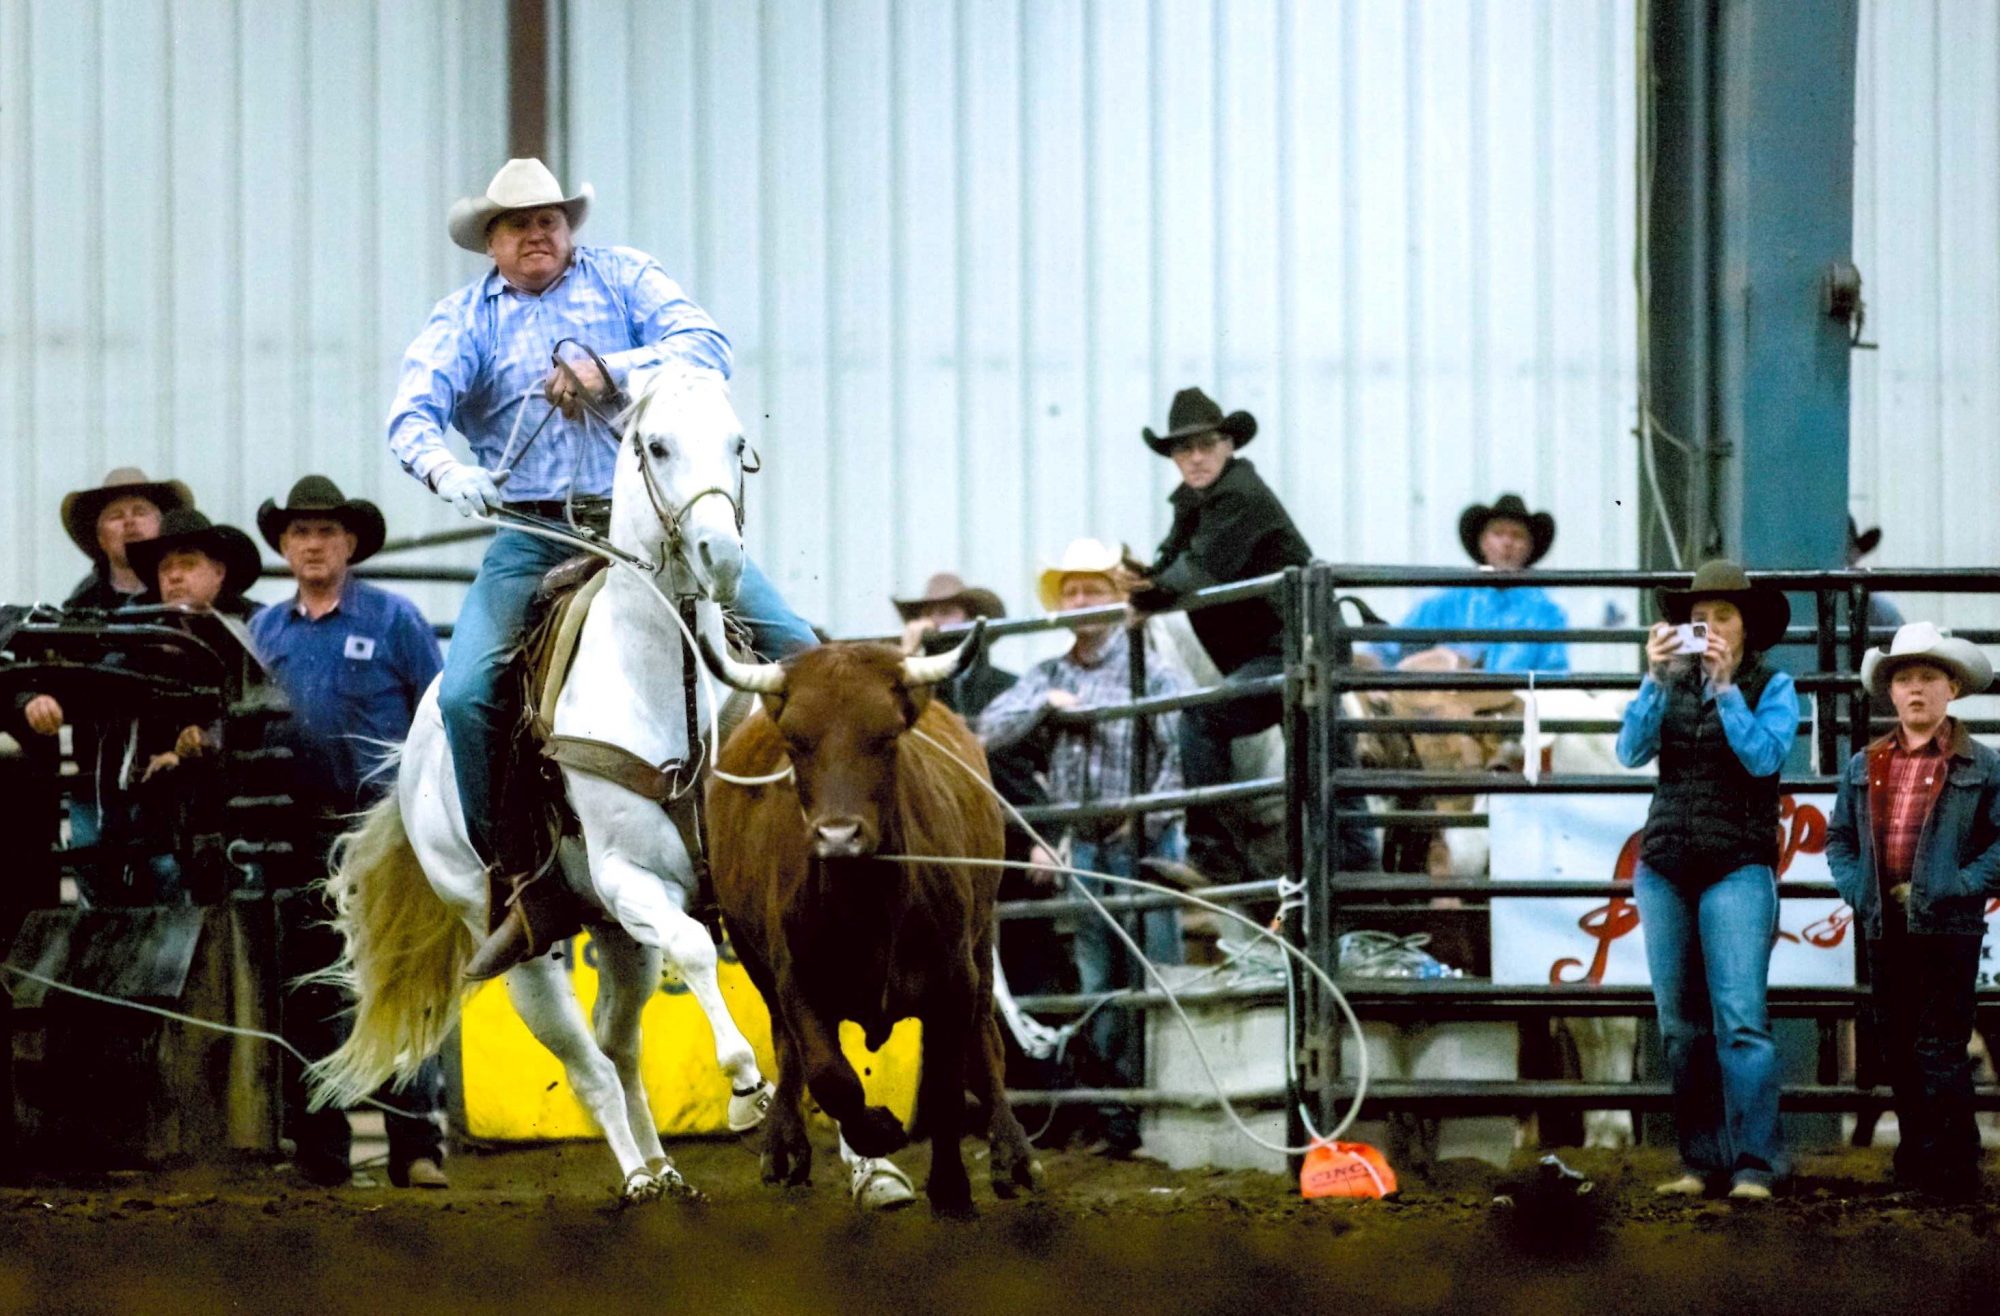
[1473,986]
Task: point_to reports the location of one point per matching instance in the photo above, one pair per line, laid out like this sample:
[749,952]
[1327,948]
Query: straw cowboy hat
[520,185]
[947,588]
[1194,412]
[1923,642]
[1083,557]
[184,528]
[1766,611]
[320,499]
[81,508]
[1472,523]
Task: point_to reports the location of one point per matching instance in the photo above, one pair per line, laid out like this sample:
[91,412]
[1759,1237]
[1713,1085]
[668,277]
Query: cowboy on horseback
[552,325]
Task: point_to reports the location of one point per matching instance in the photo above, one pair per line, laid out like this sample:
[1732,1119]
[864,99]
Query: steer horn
[929,669]
[757,678]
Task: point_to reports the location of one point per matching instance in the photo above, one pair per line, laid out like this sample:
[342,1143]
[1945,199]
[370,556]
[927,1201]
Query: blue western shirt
[1761,737]
[354,677]
[487,345]
[1483,607]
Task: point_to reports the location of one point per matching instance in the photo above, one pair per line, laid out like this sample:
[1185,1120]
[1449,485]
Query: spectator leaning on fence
[481,360]
[354,660]
[1915,849]
[1720,723]
[1094,761]
[1228,526]
[103,523]
[948,601]
[1507,539]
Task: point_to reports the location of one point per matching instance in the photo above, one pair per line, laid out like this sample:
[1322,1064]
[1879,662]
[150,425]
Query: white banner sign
[1596,837]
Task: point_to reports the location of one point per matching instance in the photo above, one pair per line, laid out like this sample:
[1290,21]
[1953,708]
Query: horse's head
[677,497]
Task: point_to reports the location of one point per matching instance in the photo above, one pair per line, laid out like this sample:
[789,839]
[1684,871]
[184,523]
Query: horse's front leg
[627,975]
[648,905]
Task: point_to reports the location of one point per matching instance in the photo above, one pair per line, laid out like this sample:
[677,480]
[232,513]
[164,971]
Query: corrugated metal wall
[226,221]
[1926,434]
[967,249]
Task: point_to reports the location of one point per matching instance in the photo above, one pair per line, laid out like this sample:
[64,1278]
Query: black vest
[1709,815]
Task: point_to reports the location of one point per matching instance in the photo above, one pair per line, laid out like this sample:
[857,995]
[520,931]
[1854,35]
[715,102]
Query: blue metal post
[1785,202]
[1747,176]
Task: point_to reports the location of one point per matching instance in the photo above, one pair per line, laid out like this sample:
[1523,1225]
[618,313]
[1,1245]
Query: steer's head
[843,710]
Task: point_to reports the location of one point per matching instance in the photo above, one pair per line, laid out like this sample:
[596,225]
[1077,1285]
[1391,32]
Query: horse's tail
[403,960]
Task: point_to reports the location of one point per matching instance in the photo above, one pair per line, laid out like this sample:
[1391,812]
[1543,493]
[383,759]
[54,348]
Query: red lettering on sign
[1801,830]
[1606,923]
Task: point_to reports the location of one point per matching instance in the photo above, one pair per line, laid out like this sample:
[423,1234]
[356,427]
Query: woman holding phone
[1721,720]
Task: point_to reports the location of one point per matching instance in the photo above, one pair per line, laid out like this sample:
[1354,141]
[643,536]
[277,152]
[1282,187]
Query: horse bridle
[671,519]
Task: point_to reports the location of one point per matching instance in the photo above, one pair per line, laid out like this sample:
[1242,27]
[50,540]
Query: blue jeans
[480,716]
[1708,948]
[1104,964]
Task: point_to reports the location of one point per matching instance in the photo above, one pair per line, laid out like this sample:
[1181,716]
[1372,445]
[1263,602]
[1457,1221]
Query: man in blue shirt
[480,363]
[1505,537]
[354,660]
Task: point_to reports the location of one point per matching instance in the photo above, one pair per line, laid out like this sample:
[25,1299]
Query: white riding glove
[471,489]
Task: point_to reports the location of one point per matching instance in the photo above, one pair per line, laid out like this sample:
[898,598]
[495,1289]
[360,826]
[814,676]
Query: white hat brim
[1961,658]
[471,215]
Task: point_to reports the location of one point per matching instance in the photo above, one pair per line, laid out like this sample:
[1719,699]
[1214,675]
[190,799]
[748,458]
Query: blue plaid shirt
[488,344]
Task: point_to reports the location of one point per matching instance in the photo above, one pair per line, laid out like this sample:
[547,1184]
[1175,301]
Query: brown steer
[829,932]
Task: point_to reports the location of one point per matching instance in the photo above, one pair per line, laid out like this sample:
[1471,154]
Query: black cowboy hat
[1766,611]
[319,498]
[947,587]
[81,508]
[1194,412]
[1473,520]
[1860,543]
[185,529]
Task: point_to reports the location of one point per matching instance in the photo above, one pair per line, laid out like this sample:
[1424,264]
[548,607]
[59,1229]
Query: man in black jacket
[1228,526]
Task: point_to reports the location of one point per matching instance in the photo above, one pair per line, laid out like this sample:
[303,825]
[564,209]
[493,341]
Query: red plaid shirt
[1911,781]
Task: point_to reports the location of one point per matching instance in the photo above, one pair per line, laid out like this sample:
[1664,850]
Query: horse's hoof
[881,1185]
[640,1187]
[747,1109]
[669,1183]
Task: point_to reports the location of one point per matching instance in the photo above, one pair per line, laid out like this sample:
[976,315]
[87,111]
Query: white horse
[412,893]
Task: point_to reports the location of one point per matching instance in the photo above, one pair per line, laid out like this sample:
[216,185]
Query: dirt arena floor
[537,1231]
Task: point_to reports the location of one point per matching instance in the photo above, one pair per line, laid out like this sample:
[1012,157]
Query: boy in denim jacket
[1915,849]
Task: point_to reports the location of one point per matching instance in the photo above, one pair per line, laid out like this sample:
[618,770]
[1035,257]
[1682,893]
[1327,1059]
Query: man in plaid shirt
[1092,761]
[480,363]
[1915,848]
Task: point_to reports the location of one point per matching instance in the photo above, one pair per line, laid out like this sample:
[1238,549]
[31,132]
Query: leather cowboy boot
[529,909]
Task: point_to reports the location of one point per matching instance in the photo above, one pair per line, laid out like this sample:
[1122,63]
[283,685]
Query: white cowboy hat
[1083,557]
[520,185]
[1922,641]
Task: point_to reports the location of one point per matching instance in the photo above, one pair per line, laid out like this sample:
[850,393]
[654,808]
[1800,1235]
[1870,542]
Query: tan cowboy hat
[1083,557]
[81,508]
[947,587]
[1924,642]
[520,185]
[185,528]
[317,497]
[1766,611]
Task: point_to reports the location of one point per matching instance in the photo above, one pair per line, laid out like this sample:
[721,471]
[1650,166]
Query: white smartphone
[1693,637]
